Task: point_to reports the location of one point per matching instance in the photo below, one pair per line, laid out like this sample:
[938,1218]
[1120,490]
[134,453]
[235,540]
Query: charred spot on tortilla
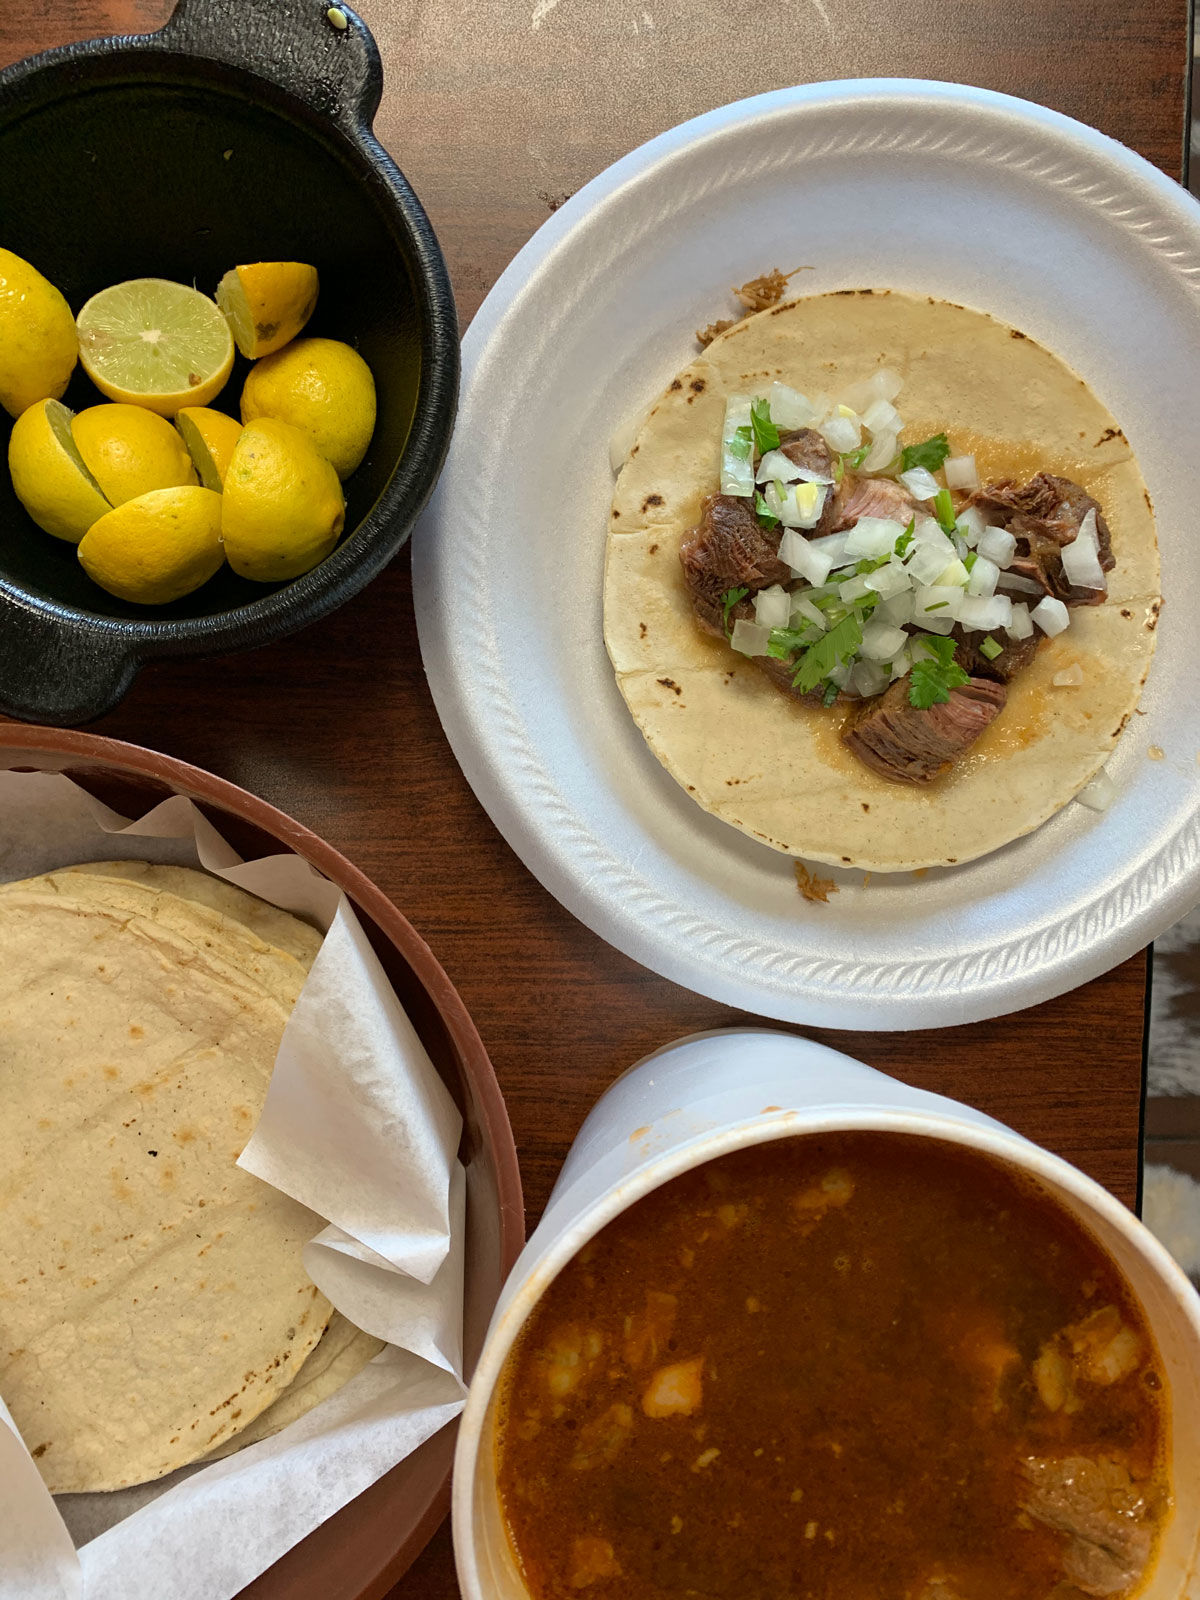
[890,542]
[653,549]
[641,630]
[698,386]
[1014,333]
[652,500]
[1110,433]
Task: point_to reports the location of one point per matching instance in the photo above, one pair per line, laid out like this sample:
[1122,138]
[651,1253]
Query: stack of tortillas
[154,1307]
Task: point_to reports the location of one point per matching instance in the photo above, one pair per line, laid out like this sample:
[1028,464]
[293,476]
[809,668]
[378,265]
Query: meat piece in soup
[854,1367]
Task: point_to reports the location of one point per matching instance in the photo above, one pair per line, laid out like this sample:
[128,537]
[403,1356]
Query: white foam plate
[928,187]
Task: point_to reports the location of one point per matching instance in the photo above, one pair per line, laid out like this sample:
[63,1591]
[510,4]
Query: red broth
[852,1367]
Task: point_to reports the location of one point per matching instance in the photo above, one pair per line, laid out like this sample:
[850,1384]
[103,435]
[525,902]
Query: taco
[882,581]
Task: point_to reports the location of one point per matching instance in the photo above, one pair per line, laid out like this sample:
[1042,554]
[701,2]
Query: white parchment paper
[358,1127]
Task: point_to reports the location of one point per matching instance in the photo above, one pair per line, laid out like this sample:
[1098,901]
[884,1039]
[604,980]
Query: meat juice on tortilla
[899,549]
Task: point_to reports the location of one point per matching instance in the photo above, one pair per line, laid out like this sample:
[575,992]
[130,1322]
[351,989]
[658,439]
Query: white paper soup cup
[712,1093]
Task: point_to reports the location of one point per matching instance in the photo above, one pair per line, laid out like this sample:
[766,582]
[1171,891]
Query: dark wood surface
[497,110]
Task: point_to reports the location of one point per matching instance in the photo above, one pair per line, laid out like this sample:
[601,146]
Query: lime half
[154,343]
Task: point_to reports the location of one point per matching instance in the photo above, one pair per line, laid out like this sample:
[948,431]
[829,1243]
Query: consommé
[857,1367]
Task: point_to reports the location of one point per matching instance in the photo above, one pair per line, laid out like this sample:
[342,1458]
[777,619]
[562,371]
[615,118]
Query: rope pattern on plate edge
[592,862]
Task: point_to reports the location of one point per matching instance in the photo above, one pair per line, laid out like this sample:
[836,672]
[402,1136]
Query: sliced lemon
[38,342]
[154,343]
[282,509]
[49,475]
[322,387]
[156,548]
[267,303]
[130,451]
[210,437]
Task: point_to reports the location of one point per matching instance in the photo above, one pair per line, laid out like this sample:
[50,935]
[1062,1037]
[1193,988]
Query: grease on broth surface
[849,1367]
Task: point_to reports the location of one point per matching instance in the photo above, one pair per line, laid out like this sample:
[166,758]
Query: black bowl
[240,132]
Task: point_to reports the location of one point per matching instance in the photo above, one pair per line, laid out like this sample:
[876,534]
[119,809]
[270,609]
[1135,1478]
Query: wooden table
[498,110]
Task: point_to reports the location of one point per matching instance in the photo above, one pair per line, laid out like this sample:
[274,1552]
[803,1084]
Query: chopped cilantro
[728,600]
[855,458]
[833,648]
[785,642]
[766,434]
[935,672]
[969,560]
[990,648]
[765,514]
[930,454]
[838,470]
[739,446]
[938,605]
[831,693]
[871,564]
[943,510]
[907,537]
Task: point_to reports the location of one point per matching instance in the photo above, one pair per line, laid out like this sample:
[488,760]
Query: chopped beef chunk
[1043,515]
[807,448]
[729,549]
[1013,658]
[908,745]
[870,497]
[1104,1514]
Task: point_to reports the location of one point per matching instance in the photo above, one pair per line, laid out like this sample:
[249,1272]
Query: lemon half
[156,548]
[282,509]
[38,342]
[322,387]
[154,343]
[130,451]
[210,437]
[49,475]
[267,303]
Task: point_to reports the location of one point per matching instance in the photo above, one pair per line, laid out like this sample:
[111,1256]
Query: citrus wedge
[210,437]
[322,387]
[49,475]
[267,303]
[154,343]
[282,509]
[130,451]
[38,342]
[156,548]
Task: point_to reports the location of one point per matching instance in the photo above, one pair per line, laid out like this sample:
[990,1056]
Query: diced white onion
[900,663]
[883,450]
[970,524]
[750,638]
[928,530]
[803,607]
[1021,626]
[927,562]
[841,674]
[889,580]
[898,608]
[789,408]
[1051,615]
[1020,585]
[940,622]
[773,607]
[977,613]
[868,678]
[856,588]
[832,545]
[776,467]
[737,472]
[800,506]
[998,545]
[881,639]
[881,416]
[1069,678]
[1081,558]
[873,536]
[938,600]
[984,576]
[960,544]
[955,575]
[886,383]
[1100,793]
[961,472]
[920,483]
[842,433]
[803,556]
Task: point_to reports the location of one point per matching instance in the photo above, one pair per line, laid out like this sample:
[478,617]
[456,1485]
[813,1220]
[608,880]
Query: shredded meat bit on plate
[758,295]
[812,887]
[705,336]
